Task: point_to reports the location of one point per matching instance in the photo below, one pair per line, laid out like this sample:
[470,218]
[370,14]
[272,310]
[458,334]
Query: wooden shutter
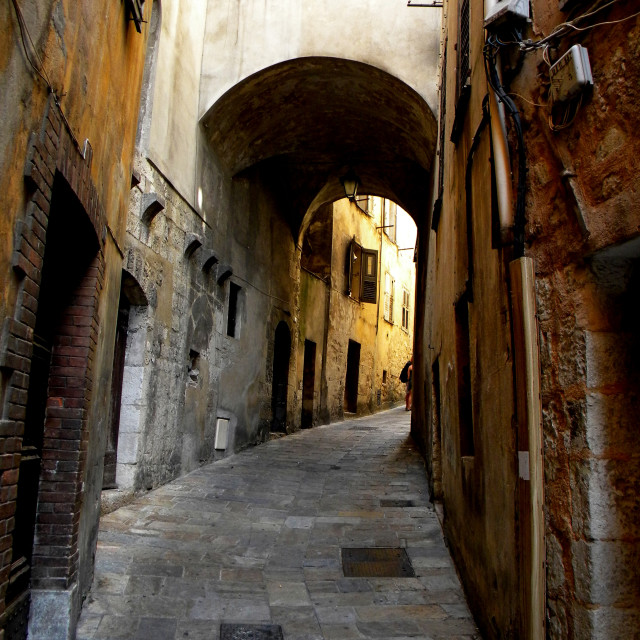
[348,265]
[369,276]
[356,271]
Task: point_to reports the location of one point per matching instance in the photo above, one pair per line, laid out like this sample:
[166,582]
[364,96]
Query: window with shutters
[463,79]
[389,286]
[390,210]
[405,309]
[463,71]
[362,273]
[437,207]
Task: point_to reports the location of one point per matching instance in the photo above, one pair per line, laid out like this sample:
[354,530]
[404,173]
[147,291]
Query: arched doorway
[128,361]
[281,355]
[53,423]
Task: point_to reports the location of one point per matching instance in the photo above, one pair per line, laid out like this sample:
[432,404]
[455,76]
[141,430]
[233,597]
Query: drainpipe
[530,494]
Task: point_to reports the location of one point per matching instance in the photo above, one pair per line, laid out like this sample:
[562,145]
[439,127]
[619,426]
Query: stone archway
[326,116]
[283,137]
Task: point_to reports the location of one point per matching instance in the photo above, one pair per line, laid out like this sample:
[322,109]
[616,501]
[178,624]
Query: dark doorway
[120,349]
[281,354]
[308,383]
[353,373]
[129,352]
[71,246]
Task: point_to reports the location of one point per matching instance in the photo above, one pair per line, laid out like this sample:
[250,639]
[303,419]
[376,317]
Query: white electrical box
[506,12]
[222,434]
[571,74]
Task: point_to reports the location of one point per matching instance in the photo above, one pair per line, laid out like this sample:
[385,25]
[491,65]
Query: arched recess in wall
[280,380]
[127,410]
[148,78]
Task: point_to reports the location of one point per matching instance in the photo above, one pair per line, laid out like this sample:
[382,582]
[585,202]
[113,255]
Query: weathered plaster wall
[314,302]
[464,271]
[173,135]
[245,38]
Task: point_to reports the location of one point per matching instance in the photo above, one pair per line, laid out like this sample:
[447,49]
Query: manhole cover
[251,632]
[397,503]
[376,562]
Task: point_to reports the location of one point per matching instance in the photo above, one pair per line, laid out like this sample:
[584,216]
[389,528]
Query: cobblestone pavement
[256,539]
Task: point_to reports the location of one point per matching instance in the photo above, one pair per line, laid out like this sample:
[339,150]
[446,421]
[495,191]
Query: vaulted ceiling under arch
[303,123]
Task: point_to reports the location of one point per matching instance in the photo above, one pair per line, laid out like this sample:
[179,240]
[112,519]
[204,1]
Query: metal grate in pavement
[396,503]
[376,562]
[362,428]
[251,632]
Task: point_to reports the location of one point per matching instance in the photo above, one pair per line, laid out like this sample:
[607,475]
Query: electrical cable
[40,69]
[492,45]
[567,116]
[565,28]
[24,32]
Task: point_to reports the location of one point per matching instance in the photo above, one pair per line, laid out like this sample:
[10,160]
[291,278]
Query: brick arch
[55,161]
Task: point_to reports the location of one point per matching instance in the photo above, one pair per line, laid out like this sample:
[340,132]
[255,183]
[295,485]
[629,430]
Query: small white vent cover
[222,434]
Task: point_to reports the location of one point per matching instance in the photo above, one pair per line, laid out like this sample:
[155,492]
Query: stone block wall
[593,465]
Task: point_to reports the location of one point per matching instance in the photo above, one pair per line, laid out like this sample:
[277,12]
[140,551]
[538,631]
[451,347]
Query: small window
[233,324]
[362,273]
[193,368]
[405,309]
[384,376]
[364,202]
[389,286]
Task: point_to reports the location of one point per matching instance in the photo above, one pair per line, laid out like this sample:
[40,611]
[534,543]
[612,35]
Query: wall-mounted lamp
[350,184]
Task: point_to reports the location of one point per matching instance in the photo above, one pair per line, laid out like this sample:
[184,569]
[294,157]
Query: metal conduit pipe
[501,158]
[502,167]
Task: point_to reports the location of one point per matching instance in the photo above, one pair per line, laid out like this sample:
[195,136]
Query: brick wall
[55,558]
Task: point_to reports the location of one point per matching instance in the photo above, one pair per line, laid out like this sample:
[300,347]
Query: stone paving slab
[256,539]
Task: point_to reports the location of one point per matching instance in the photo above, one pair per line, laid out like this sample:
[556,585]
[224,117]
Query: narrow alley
[253,546]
